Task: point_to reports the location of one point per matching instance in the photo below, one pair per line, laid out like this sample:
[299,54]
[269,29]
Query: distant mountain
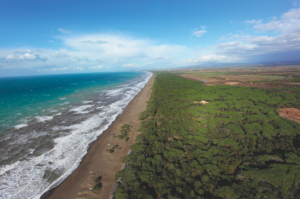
[257,64]
[278,63]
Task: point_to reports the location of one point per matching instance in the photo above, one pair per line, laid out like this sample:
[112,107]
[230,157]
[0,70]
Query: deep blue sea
[48,122]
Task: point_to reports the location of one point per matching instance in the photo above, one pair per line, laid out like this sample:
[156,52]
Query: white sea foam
[43,118]
[100,107]
[80,109]
[20,126]
[9,167]
[62,98]
[72,127]
[86,102]
[23,138]
[24,179]
[65,103]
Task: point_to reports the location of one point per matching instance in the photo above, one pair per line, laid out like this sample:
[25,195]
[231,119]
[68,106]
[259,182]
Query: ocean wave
[65,103]
[43,118]
[80,109]
[20,126]
[34,175]
[86,102]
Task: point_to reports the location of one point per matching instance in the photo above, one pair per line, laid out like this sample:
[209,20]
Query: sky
[71,36]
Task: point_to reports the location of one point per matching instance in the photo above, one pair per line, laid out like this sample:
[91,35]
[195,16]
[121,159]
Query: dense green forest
[236,146]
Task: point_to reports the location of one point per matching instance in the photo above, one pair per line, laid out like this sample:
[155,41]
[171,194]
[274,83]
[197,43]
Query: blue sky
[50,37]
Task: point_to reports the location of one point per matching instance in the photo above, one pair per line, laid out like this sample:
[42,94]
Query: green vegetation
[124,132]
[296,80]
[112,149]
[265,77]
[236,146]
[97,187]
[98,184]
[211,73]
[97,180]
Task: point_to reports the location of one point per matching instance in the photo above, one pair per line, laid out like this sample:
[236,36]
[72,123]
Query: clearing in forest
[290,114]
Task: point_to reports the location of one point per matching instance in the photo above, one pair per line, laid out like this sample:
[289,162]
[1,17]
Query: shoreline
[97,161]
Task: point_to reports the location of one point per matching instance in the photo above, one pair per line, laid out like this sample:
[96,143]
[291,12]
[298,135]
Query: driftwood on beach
[119,180]
[113,189]
[123,166]
[129,152]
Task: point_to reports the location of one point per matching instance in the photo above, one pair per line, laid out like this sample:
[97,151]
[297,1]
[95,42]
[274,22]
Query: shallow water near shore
[46,135]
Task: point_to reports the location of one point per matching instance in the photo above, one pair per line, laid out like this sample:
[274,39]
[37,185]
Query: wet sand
[97,161]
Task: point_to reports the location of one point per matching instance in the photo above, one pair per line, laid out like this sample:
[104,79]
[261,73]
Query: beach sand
[98,162]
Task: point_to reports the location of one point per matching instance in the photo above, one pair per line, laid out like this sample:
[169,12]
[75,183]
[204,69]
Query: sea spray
[49,149]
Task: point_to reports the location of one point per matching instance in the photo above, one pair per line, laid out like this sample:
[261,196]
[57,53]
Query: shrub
[112,149]
[98,179]
[97,187]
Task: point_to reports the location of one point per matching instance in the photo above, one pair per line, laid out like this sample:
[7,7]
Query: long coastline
[97,161]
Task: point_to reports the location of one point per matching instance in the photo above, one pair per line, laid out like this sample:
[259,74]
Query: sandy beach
[98,161]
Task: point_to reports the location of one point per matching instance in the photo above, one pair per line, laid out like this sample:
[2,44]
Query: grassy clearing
[207,74]
[264,77]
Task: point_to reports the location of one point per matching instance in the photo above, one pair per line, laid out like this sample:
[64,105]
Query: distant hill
[257,64]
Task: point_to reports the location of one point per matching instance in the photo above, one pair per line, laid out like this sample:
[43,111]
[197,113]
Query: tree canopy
[235,146]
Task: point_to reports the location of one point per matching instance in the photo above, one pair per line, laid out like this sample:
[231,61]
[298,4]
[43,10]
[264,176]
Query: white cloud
[117,60]
[94,42]
[251,21]
[63,30]
[59,55]
[137,65]
[60,69]
[118,47]
[100,60]
[289,22]
[78,68]
[96,67]
[88,51]
[283,45]
[130,65]
[228,37]
[278,38]
[199,33]
[29,55]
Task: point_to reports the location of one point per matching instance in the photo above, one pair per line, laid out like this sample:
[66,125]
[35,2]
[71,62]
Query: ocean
[48,122]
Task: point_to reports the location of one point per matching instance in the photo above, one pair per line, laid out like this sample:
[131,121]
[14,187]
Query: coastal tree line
[235,146]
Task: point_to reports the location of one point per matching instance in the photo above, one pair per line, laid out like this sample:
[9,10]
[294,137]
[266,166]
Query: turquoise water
[48,122]
[23,99]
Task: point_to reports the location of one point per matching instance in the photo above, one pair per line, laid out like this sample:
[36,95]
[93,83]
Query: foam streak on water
[41,155]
